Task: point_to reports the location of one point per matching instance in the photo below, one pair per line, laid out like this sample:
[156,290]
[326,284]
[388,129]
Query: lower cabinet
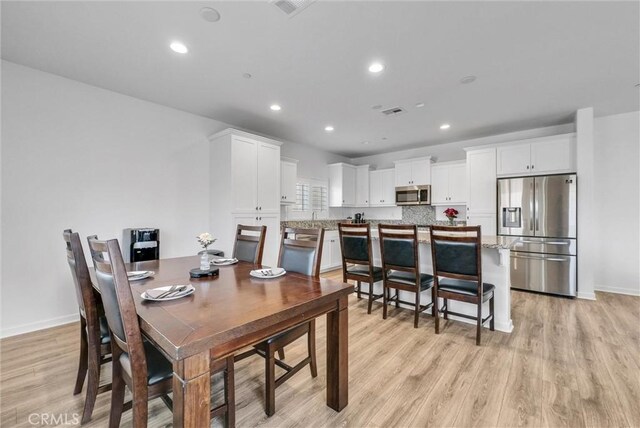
[331,251]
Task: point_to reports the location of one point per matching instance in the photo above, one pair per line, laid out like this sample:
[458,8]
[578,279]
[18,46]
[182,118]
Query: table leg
[192,391]
[338,356]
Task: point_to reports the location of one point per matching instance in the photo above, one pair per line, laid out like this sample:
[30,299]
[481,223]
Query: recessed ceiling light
[637,85]
[377,107]
[178,47]
[468,79]
[445,126]
[328,128]
[384,138]
[365,143]
[247,76]
[419,105]
[210,14]
[376,67]
[275,107]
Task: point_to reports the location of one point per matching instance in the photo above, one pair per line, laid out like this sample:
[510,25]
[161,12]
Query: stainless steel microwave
[413,195]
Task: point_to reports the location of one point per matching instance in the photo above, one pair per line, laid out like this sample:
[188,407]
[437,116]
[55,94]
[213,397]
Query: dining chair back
[457,265]
[136,362]
[95,345]
[249,243]
[301,250]
[357,258]
[401,267]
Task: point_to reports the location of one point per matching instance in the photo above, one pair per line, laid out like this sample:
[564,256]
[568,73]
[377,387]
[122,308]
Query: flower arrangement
[451,214]
[205,239]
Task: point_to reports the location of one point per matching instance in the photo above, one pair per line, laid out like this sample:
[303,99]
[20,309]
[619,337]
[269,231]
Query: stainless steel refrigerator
[542,212]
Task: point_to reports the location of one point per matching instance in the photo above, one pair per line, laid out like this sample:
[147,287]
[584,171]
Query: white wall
[76,156]
[617,201]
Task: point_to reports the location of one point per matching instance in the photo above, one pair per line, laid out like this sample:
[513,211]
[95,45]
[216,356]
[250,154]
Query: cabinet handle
[256,218]
[527,166]
[533,166]
[260,218]
[256,208]
[260,208]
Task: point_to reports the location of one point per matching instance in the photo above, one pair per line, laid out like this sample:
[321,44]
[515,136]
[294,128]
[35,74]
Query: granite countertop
[333,224]
[488,241]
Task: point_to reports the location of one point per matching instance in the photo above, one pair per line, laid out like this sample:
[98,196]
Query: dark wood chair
[249,243]
[95,344]
[300,252]
[401,267]
[136,362]
[457,266]
[357,263]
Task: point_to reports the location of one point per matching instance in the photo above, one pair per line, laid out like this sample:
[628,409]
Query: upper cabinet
[382,188]
[482,189]
[413,172]
[288,180]
[342,185]
[449,183]
[548,155]
[362,186]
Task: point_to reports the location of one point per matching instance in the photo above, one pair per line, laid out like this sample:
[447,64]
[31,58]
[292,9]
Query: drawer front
[554,274]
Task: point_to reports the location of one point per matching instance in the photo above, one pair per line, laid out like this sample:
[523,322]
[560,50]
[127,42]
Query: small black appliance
[140,244]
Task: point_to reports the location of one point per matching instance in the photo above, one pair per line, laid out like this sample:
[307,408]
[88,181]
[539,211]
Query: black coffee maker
[139,245]
[358,218]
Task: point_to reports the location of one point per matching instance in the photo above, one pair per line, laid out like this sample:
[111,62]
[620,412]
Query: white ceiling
[536,63]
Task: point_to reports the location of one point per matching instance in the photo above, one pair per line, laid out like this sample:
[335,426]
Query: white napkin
[157,293]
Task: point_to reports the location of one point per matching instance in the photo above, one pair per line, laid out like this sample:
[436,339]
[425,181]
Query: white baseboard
[586,295]
[618,290]
[39,325]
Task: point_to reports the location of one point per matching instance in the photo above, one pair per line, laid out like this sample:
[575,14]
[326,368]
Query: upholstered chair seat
[409,278]
[158,367]
[469,288]
[364,270]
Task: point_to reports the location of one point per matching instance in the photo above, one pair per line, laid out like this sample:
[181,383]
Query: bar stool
[457,266]
[357,263]
[401,267]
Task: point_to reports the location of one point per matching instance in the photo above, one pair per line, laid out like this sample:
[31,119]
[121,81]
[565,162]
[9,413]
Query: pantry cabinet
[244,188]
[547,155]
[382,188]
[288,180]
[413,172]
[449,183]
[481,189]
[342,185]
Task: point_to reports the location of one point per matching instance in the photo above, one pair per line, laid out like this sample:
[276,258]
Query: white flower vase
[204,260]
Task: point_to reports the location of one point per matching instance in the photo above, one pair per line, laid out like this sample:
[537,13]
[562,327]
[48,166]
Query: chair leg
[84,357]
[270,382]
[385,293]
[370,297]
[492,322]
[230,393]
[281,353]
[359,293]
[311,345]
[117,393]
[433,301]
[445,304]
[479,323]
[93,379]
[397,298]
[140,412]
[416,311]
[436,312]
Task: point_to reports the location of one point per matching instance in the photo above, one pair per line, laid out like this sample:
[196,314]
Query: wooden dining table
[228,312]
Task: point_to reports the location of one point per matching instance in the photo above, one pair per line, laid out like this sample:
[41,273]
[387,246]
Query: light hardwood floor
[567,363]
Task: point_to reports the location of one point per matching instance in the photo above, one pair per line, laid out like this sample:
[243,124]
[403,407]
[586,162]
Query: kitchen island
[495,270]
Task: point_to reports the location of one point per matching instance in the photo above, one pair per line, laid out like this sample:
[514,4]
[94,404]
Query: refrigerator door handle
[545,258]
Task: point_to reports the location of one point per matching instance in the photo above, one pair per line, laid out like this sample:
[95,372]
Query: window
[302,197]
[311,195]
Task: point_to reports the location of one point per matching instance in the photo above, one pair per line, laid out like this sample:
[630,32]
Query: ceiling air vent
[292,7]
[393,111]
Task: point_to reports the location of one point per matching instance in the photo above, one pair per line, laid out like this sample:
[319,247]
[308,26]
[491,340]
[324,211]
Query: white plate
[224,262]
[187,292]
[137,275]
[262,273]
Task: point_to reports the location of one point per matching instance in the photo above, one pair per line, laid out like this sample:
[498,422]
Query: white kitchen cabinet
[331,251]
[481,182]
[487,223]
[448,183]
[342,185]
[546,155]
[245,186]
[362,186]
[288,180]
[413,172]
[382,188]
